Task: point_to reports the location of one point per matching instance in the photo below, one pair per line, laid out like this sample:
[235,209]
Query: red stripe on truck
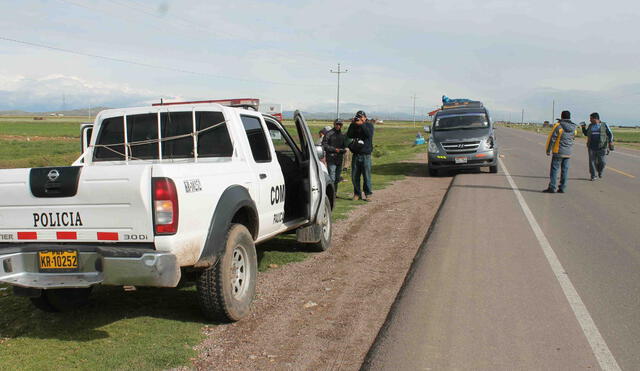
[27,235]
[67,235]
[108,236]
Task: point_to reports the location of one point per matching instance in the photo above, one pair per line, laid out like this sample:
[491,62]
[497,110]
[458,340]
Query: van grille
[461,147]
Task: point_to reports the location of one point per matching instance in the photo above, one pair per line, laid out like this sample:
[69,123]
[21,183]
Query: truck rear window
[142,135]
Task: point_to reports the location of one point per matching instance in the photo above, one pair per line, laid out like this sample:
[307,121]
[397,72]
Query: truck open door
[317,183]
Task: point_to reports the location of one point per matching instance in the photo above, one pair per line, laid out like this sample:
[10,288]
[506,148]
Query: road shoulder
[325,312]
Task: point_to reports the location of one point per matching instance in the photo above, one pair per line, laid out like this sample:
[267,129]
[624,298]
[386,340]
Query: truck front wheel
[226,290]
[325,238]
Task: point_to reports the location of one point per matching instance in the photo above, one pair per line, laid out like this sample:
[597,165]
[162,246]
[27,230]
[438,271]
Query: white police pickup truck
[160,193]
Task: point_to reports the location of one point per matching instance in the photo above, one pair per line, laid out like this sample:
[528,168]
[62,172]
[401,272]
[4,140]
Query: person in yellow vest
[560,144]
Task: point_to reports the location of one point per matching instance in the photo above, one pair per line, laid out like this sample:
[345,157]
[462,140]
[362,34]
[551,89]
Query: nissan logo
[53,175]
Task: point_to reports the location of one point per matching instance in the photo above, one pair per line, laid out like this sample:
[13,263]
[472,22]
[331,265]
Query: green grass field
[147,329]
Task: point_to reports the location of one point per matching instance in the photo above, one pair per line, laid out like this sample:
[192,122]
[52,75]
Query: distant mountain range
[286,114]
[73,112]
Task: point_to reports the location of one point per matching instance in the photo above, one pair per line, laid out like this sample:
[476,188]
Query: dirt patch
[325,312]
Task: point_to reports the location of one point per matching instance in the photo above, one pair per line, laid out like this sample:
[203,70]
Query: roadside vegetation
[149,328]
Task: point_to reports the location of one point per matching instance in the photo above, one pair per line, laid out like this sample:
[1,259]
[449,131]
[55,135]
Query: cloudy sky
[513,55]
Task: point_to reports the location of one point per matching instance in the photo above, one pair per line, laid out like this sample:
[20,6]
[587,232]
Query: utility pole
[522,119]
[414,109]
[338,72]
[553,112]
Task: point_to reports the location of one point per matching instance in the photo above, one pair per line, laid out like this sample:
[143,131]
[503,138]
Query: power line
[147,65]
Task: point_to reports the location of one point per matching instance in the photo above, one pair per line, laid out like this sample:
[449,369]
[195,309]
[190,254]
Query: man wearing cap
[334,145]
[361,133]
[560,142]
[599,143]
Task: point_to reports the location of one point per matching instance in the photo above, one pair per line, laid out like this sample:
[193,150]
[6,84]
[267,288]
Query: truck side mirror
[85,136]
[320,152]
[427,129]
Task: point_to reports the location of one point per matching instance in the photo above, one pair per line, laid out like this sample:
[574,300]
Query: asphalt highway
[512,278]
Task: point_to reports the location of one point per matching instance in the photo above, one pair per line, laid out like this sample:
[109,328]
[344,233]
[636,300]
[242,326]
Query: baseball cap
[338,121]
[360,114]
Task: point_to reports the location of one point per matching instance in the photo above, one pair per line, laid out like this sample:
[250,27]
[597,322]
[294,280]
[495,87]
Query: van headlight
[489,143]
[432,147]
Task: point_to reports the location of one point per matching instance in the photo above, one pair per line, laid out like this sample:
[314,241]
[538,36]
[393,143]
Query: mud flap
[309,234]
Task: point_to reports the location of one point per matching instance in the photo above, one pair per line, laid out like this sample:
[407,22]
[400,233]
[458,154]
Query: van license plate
[461,160]
[58,261]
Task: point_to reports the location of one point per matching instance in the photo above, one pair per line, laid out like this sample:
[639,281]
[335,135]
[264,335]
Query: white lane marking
[589,328]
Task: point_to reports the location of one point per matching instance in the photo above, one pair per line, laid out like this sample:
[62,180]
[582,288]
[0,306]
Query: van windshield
[464,121]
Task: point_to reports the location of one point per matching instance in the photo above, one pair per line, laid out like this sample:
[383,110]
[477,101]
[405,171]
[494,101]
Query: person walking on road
[334,145]
[361,132]
[560,143]
[599,143]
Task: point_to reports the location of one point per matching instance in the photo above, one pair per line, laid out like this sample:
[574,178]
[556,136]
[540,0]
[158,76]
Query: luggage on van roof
[448,103]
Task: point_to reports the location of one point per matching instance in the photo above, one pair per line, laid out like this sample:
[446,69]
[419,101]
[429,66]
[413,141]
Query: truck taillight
[165,206]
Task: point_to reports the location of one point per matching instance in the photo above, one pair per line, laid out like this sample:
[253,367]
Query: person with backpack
[361,132]
[599,143]
[560,143]
[334,145]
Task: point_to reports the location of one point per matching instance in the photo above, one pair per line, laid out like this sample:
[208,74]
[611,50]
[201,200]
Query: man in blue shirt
[599,143]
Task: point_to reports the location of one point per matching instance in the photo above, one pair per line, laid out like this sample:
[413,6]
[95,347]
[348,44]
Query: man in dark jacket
[599,142]
[361,133]
[560,143]
[334,145]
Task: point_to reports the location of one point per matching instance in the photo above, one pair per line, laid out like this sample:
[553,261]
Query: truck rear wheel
[226,290]
[325,238]
[62,300]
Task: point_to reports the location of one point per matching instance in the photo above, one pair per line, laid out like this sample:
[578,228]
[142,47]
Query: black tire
[62,300]
[226,290]
[433,172]
[493,169]
[327,229]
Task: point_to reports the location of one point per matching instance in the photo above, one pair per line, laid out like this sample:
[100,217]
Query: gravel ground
[325,312]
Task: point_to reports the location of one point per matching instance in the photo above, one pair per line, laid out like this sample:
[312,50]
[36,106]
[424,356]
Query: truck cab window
[174,124]
[213,142]
[257,139]
[111,132]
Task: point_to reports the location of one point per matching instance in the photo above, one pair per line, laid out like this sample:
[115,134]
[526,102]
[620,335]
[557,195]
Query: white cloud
[57,91]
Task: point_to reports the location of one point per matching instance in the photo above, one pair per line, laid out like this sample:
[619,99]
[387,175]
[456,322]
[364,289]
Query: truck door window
[213,142]
[257,139]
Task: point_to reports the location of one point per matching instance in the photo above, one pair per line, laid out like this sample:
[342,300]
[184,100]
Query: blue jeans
[361,166]
[335,170]
[561,163]
[597,161]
